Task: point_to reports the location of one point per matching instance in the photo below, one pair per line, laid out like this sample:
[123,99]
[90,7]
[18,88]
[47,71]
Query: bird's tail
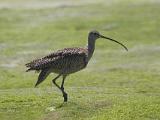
[32,65]
[28,69]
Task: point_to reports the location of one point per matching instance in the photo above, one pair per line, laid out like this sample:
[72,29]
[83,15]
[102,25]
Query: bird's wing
[48,60]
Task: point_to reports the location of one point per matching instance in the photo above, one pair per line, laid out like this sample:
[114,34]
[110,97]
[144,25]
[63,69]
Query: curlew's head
[94,35]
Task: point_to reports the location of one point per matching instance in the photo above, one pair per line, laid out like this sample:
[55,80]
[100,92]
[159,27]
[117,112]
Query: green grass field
[116,85]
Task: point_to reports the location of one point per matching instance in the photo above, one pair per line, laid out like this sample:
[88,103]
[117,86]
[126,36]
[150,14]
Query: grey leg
[61,88]
[65,96]
[54,81]
[64,77]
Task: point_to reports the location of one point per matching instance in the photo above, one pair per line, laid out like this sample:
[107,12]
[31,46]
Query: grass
[116,85]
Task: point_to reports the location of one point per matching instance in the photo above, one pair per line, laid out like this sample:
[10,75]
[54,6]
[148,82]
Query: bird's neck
[91,47]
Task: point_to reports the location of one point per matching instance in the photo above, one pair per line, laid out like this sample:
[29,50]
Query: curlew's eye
[95,33]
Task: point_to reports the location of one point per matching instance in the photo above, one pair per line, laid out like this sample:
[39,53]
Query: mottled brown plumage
[65,61]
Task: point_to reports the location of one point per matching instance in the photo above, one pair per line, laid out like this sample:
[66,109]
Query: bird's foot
[65,96]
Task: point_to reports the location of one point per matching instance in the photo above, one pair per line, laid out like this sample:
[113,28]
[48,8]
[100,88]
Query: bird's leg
[62,88]
[54,81]
[64,77]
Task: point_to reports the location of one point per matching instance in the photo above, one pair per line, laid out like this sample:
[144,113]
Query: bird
[66,61]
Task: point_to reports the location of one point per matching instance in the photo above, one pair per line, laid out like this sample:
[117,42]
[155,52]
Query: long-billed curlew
[66,61]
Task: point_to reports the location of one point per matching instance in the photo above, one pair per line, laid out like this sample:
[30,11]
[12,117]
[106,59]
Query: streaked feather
[66,60]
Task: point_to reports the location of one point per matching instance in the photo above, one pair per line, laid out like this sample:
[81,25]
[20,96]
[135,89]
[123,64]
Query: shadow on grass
[78,109]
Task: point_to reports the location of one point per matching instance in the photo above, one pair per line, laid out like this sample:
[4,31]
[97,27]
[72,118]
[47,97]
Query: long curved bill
[114,41]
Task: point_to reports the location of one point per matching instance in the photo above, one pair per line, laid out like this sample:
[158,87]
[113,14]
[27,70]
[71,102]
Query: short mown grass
[116,85]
